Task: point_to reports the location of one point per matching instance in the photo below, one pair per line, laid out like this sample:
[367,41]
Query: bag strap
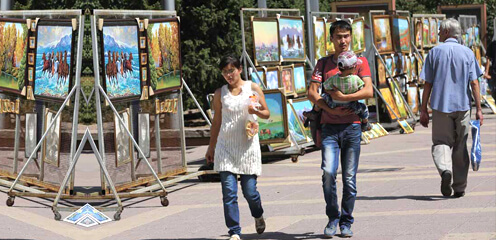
[324,62]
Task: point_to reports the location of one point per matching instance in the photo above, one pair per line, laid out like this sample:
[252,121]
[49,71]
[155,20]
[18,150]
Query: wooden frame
[30,74]
[397,98]
[299,77]
[405,126]
[361,46]
[143,58]
[286,80]
[320,21]
[120,140]
[277,59]
[381,74]
[49,139]
[301,56]
[141,25]
[354,6]
[264,124]
[254,78]
[388,97]
[269,74]
[402,42]
[413,97]
[383,44]
[144,74]
[31,58]
[30,136]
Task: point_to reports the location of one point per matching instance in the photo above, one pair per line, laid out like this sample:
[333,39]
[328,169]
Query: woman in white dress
[231,150]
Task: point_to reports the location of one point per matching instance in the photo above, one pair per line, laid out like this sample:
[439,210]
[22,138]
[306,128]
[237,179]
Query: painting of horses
[300,80]
[319,34]
[53,71]
[274,129]
[164,50]
[358,35]
[382,34]
[265,32]
[292,38]
[12,54]
[401,34]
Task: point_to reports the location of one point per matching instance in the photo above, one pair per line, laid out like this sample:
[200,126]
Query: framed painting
[30,74]
[381,74]
[398,64]
[32,42]
[476,35]
[426,33]
[142,42]
[413,67]
[413,98]
[390,65]
[408,68]
[275,129]
[30,138]
[433,31]
[300,80]
[258,79]
[395,89]
[302,105]
[31,58]
[144,74]
[382,34]
[439,21]
[358,35]
[405,126]
[286,80]
[330,49]
[470,37]
[272,78]
[401,34]
[418,33]
[123,142]
[388,98]
[291,38]
[144,134]
[54,59]
[319,34]
[265,32]
[295,126]
[51,144]
[164,54]
[121,59]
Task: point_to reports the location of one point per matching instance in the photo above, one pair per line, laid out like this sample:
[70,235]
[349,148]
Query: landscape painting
[358,35]
[319,34]
[382,34]
[258,79]
[412,94]
[397,98]
[13,44]
[164,54]
[388,98]
[381,74]
[121,61]
[274,129]
[294,125]
[302,105]
[300,81]
[401,34]
[329,45]
[53,61]
[292,38]
[265,40]
[272,78]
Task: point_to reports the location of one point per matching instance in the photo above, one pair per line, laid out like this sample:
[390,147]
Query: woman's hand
[252,109]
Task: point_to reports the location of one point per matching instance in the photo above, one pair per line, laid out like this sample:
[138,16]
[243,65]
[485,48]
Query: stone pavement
[398,198]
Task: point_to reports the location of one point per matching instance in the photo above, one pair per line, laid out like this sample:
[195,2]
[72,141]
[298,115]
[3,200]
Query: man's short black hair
[229,59]
[341,24]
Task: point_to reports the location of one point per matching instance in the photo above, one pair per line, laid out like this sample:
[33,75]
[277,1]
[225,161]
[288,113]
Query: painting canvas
[388,98]
[408,68]
[51,144]
[30,137]
[418,33]
[13,49]
[433,30]
[123,142]
[272,78]
[265,40]
[397,98]
[401,34]
[381,74]
[319,34]
[144,134]
[329,45]
[300,81]
[287,80]
[302,105]
[164,54]
[413,67]
[294,125]
[358,35]
[412,95]
[274,129]
[477,36]
[390,65]
[121,61]
[470,37]
[292,38]
[425,33]
[258,79]
[382,34]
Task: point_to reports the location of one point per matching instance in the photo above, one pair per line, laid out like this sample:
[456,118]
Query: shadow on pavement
[411,197]
[266,235]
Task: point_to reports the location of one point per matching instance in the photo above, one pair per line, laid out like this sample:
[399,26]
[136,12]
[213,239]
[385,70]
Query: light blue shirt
[450,67]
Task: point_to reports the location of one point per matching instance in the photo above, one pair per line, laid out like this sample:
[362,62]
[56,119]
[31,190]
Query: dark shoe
[446,183]
[366,127]
[346,232]
[260,225]
[458,194]
[330,229]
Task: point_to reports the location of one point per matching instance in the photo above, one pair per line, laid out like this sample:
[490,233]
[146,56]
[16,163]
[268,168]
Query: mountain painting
[164,55]
[292,39]
[121,65]
[300,80]
[319,36]
[274,129]
[265,40]
[13,46]
[53,61]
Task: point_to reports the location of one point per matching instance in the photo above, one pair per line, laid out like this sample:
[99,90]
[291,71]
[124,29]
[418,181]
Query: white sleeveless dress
[234,152]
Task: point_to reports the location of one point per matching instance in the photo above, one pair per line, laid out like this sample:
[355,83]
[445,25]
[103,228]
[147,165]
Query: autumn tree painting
[13,45]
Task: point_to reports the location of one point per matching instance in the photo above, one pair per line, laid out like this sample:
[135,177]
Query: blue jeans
[230,198]
[344,137]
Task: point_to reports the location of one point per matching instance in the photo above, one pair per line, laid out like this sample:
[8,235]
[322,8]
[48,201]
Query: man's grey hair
[453,27]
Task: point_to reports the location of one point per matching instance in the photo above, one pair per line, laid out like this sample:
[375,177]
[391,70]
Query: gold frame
[287,92]
[283,120]
[300,18]
[267,19]
[363,49]
[390,45]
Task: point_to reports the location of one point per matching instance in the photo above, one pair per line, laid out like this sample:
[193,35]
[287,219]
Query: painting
[144,74]
[405,126]
[272,78]
[470,37]
[438,28]
[164,54]
[412,98]
[295,126]
[258,79]
[141,25]
[144,134]
[51,144]
[54,60]
[143,59]
[287,80]
[388,98]
[418,33]
[30,139]
[408,68]
[32,42]
[398,99]
[477,36]
[31,58]
[265,32]
[330,49]
[433,31]
[292,38]
[358,35]
[390,65]
[121,60]
[381,74]
[398,64]
[30,74]
[382,34]
[401,34]
[425,33]
[413,67]
[123,142]
[142,42]
[300,80]
[302,105]
[274,129]
[319,34]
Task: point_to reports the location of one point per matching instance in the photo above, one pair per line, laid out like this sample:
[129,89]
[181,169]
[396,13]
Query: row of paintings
[396,65]
[289,77]
[391,34]
[427,32]
[471,37]
[278,39]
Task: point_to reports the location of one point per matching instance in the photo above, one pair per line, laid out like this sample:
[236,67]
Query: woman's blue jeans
[340,140]
[230,198]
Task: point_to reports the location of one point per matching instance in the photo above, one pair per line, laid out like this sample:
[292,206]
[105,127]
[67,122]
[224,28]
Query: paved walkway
[398,198]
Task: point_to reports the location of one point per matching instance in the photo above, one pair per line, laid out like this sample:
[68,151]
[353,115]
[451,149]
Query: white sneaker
[235,237]
[260,225]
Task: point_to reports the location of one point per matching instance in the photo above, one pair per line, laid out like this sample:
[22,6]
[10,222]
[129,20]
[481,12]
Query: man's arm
[424,115]
[486,73]
[366,92]
[476,93]
[314,97]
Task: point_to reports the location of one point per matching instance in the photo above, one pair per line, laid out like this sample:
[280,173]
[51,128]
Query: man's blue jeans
[344,137]
[230,198]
